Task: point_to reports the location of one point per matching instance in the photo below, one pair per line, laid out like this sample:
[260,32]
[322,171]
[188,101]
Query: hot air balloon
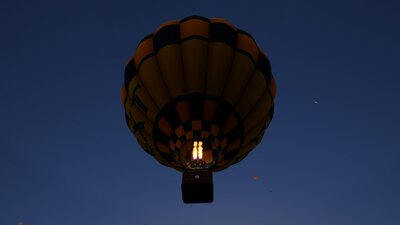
[198,96]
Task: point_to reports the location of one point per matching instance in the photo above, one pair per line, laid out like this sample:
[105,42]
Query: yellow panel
[195,64]
[170,61]
[194,27]
[220,59]
[153,82]
[252,93]
[258,112]
[241,70]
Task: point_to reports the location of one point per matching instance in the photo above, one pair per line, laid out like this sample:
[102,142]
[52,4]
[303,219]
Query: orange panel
[165,127]
[196,125]
[179,131]
[209,110]
[241,71]
[194,27]
[151,77]
[182,108]
[230,123]
[256,87]
[258,112]
[195,56]
[248,45]
[220,59]
[145,48]
[234,145]
[169,59]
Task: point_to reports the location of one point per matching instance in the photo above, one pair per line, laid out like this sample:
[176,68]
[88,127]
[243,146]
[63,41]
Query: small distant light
[256,178]
[316,102]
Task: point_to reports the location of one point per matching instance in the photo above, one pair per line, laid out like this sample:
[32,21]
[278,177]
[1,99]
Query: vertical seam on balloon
[206,66]
[245,88]
[134,122]
[255,105]
[266,119]
[145,92]
[183,63]
[162,74]
[185,89]
[145,114]
[144,89]
[229,72]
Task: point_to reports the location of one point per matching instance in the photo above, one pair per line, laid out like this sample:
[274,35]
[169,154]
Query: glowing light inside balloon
[194,152]
[200,150]
[197,152]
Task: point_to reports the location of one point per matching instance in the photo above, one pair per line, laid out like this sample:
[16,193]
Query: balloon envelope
[198,94]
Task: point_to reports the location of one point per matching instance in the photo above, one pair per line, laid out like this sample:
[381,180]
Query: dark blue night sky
[330,157]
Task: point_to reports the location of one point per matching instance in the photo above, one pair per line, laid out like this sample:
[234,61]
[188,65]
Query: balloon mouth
[198,131]
[198,159]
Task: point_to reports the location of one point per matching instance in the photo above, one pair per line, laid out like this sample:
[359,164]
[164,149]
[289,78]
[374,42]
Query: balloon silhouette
[198,94]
